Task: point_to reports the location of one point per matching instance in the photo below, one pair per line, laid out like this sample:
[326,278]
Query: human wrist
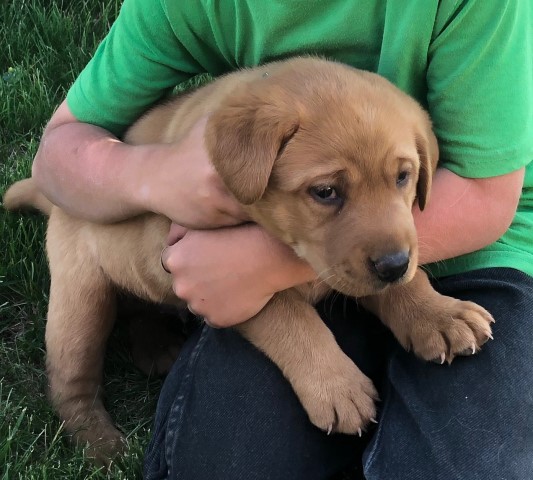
[285,268]
[137,170]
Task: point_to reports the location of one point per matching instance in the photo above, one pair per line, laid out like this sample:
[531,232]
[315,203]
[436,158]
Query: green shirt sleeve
[480,57]
[138,63]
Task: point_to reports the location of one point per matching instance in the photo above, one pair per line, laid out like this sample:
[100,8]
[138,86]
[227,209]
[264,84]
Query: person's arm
[89,173]
[248,266]
[465,214]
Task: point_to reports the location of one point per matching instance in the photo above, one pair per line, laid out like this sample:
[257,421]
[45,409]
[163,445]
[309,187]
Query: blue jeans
[227,413]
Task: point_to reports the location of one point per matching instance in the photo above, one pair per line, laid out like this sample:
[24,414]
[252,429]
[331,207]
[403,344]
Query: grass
[44,45]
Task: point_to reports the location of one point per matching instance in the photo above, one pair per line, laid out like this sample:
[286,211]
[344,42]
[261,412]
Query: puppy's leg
[335,393]
[81,314]
[434,326]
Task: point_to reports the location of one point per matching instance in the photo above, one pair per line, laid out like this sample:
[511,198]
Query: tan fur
[24,195]
[274,132]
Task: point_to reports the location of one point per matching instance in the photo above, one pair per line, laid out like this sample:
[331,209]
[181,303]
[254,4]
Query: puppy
[329,160]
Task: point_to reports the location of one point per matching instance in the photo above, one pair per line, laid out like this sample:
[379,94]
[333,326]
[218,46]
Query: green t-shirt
[468,62]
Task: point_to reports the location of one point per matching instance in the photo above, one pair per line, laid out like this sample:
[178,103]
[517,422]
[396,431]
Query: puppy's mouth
[353,288]
[358,277]
[352,285]
[361,282]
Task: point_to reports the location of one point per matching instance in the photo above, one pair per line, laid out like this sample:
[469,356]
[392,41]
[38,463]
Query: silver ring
[161,260]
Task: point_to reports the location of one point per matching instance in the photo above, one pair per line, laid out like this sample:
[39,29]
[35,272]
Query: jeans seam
[377,436]
[176,412]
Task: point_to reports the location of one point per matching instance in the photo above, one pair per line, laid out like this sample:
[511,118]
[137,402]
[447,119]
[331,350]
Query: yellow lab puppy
[328,159]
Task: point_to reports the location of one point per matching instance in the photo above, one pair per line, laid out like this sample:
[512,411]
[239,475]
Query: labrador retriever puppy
[329,160]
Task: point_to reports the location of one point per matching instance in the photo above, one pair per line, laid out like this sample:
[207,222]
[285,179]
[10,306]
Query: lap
[471,420]
[226,410]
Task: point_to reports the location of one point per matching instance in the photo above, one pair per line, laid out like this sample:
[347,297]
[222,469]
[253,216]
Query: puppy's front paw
[447,328]
[338,397]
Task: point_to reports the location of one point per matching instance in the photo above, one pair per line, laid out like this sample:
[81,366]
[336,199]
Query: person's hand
[184,186]
[228,275]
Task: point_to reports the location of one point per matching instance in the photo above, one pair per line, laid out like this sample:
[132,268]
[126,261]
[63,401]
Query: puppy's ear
[428,153]
[246,135]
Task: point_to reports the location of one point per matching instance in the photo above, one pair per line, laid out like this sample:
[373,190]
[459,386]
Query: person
[225,411]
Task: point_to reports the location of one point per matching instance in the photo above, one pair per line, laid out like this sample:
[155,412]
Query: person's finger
[175,234]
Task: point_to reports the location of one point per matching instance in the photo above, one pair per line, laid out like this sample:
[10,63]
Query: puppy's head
[330,160]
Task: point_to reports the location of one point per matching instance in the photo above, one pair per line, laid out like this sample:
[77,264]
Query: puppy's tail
[25,195]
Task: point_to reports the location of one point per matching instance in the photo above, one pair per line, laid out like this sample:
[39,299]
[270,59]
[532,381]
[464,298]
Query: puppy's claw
[359,432]
[469,351]
[330,429]
[440,360]
[373,420]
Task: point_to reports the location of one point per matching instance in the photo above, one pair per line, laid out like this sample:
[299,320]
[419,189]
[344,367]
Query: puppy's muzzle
[391,267]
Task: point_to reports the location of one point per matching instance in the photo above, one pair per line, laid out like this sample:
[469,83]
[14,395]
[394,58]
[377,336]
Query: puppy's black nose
[390,268]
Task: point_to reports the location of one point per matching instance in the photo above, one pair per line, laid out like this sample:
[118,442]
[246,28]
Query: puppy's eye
[325,194]
[403,178]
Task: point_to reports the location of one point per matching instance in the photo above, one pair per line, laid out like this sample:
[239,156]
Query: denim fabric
[226,412]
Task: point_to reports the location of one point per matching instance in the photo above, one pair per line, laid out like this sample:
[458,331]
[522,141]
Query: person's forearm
[465,215]
[89,173]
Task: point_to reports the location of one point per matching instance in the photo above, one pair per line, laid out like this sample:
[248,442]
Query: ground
[45,43]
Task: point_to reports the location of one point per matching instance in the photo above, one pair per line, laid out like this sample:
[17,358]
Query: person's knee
[465,421]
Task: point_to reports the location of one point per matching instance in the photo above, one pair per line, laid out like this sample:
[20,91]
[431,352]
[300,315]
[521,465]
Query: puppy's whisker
[323,278]
[325,271]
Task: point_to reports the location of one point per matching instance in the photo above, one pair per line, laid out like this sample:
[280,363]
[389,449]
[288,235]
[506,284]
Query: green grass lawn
[43,46]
